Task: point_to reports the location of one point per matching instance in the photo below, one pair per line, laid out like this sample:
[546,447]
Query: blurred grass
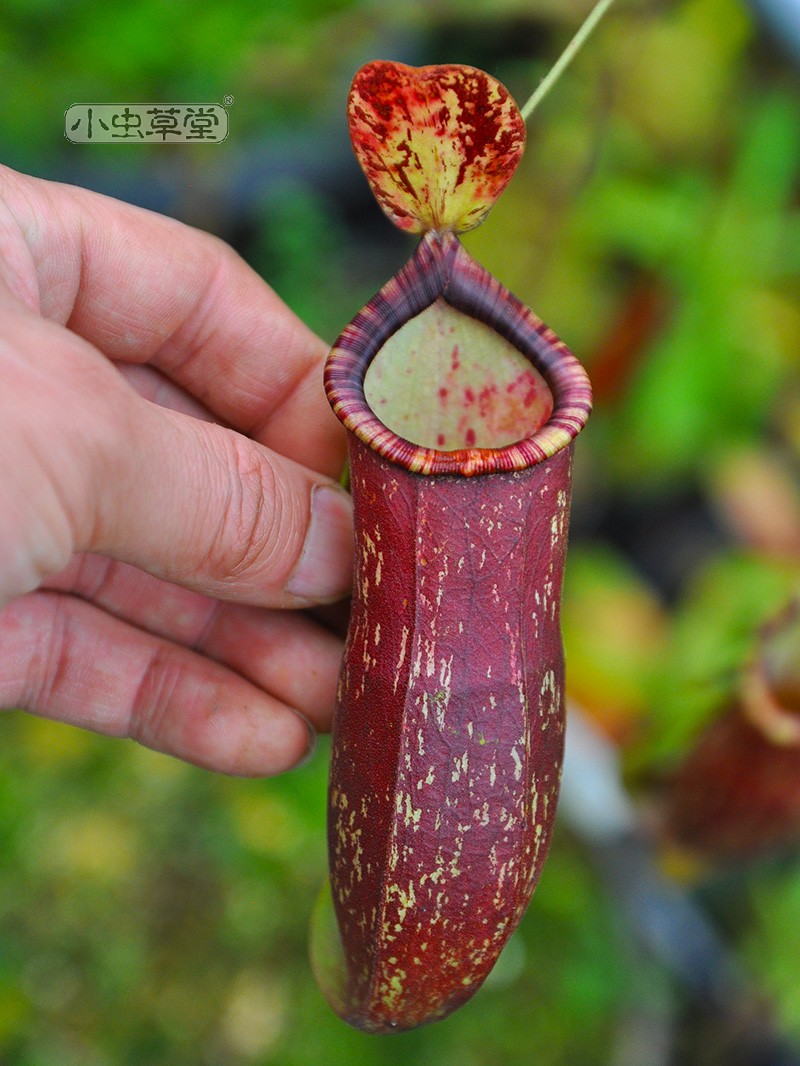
[152,913]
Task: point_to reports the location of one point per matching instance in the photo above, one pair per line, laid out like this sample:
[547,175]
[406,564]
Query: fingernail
[311,750]
[325,570]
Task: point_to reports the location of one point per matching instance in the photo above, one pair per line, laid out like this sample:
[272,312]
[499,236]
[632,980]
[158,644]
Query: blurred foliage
[152,913]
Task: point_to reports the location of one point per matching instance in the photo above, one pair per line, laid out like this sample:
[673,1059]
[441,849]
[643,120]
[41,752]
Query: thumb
[208,508]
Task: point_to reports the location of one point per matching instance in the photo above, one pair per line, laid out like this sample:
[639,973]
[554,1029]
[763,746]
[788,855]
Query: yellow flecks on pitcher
[428,779]
[438,144]
[391,991]
[367,659]
[517,764]
[421,742]
[461,763]
[550,701]
[406,809]
[401,656]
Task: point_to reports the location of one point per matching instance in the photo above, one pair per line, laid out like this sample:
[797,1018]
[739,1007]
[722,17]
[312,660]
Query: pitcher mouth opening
[442,270]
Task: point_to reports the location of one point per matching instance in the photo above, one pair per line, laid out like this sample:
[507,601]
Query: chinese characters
[164,123]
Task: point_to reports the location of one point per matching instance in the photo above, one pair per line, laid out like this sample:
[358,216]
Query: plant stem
[566,57]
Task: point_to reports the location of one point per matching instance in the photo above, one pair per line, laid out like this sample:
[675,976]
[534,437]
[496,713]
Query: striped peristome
[441,267]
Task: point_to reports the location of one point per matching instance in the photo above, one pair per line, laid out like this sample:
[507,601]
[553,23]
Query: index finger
[144,288]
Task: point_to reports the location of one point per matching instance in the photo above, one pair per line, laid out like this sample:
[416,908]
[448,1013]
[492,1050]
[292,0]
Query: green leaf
[326,952]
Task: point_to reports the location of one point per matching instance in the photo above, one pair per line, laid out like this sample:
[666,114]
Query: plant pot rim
[442,268]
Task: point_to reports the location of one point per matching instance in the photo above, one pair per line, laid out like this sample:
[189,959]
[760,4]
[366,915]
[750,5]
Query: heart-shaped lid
[438,144]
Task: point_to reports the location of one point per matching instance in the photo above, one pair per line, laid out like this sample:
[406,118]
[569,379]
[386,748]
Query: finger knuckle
[153,698]
[251,535]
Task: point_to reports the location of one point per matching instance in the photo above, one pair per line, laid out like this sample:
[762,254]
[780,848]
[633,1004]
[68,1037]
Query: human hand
[165,487]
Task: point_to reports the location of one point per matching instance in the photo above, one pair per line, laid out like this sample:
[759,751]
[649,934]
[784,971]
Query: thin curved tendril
[566,57]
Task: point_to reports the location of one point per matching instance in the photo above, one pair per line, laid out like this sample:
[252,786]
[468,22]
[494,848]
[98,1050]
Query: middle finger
[285,653]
